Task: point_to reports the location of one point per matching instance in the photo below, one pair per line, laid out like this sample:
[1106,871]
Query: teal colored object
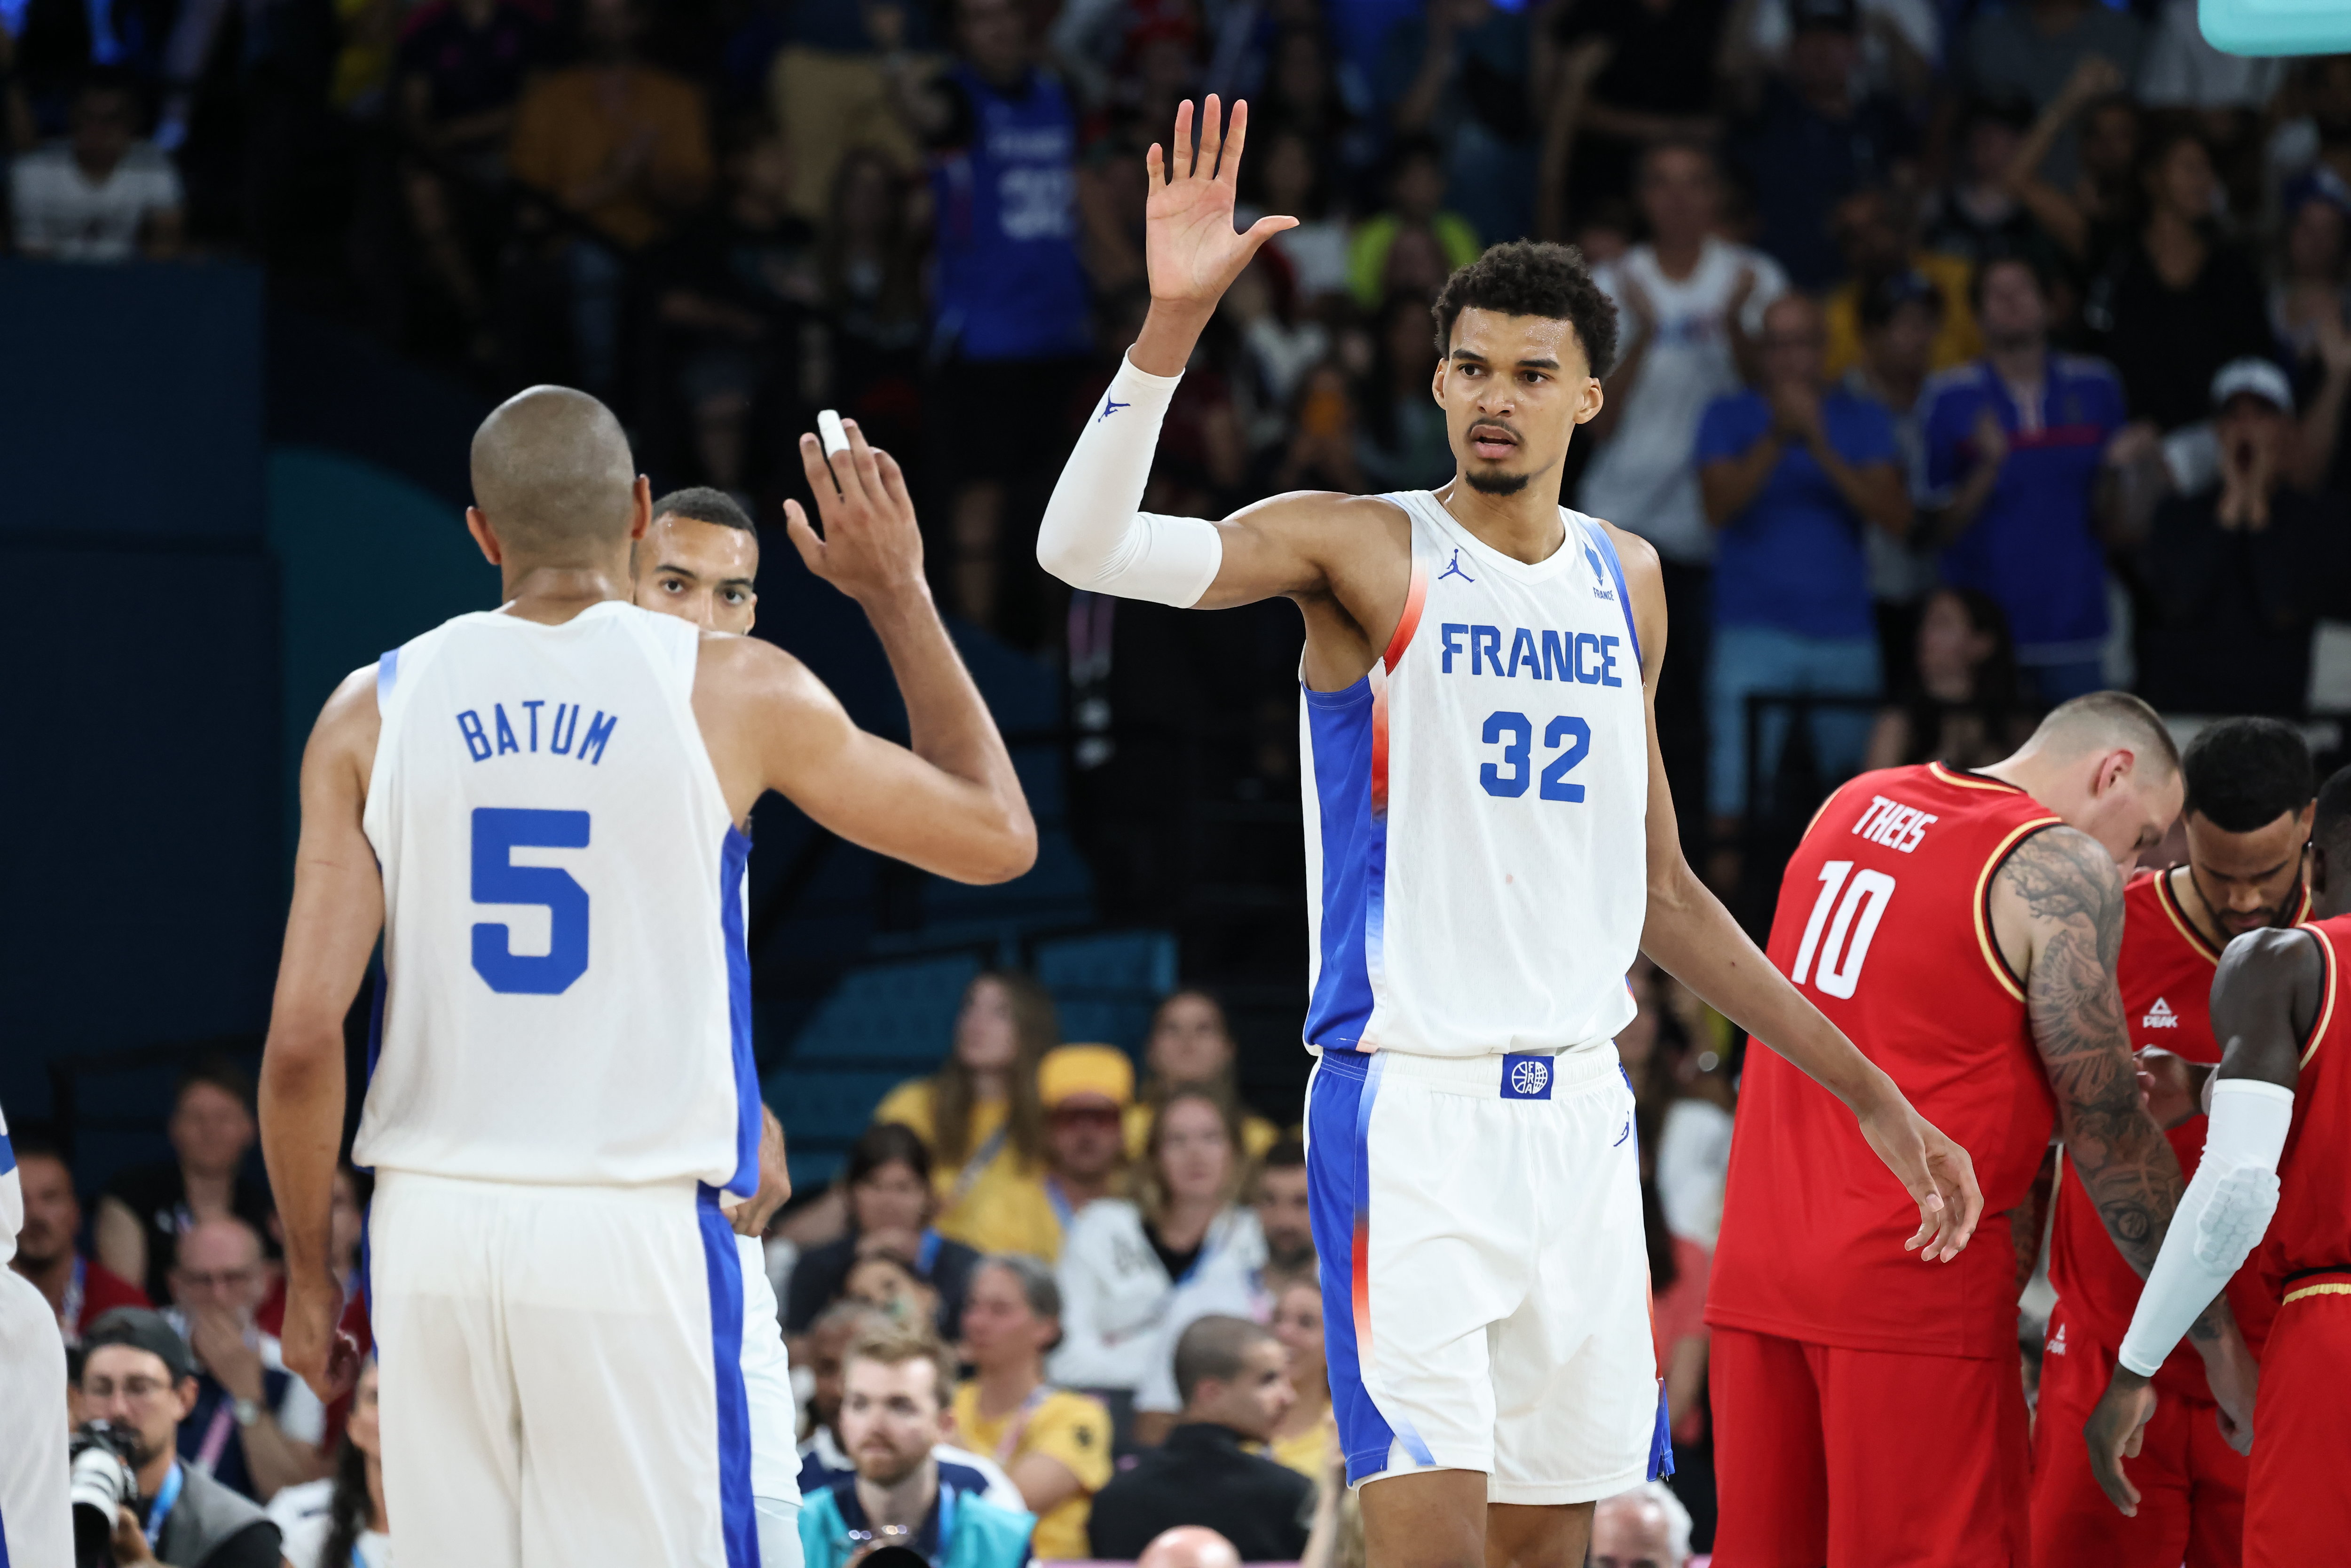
[2264,27]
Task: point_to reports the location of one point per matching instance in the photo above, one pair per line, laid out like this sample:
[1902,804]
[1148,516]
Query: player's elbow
[1008,852]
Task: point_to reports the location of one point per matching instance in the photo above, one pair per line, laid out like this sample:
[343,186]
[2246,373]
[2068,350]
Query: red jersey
[2165,970]
[94,1290]
[2307,1251]
[1884,924]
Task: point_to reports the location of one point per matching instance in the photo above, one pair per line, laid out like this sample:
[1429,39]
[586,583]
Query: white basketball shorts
[1484,1279]
[561,1374]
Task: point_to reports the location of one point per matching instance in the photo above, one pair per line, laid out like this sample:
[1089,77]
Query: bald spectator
[253,1427]
[1234,1376]
[1189,1546]
[78,1291]
[1645,1528]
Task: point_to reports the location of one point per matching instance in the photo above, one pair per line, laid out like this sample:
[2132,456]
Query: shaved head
[553,474]
[2105,720]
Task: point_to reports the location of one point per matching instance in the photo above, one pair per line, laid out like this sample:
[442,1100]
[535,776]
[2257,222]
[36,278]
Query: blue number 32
[498,831]
[1516,735]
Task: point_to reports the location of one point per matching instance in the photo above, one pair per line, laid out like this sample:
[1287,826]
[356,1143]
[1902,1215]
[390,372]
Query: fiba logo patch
[1526,1078]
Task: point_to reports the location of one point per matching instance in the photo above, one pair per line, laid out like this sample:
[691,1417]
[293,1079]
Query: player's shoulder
[1328,511]
[2060,872]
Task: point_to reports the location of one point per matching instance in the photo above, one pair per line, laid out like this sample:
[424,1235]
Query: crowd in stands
[1143,1355]
[2066,326]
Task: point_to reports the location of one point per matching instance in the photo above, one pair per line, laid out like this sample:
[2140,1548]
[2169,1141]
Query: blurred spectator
[1278,343]
[1874,231]
[2018,448]
[1645,1528]
[983,1099]
[890,1285]
[1812,140]
[1962,708]
[339,1523]
[1678,1266]
[57,44]
[2239,570]
[1055,1445]
[255,1427]
[1795,471]
[889,1203]
[1183,1247]
[2087,210]
[1282,1215]
[1416,210]
[1681,1113]
[736,288]
[1305,94]
[137,1372]
[458,73]
[1401,442]
[2308,295]
[2180,71]
[823,1459]
[104,195]
[1088,1090]
[1191,1046]
[1659,85]
[2033,48]
[621,147]
[1458,72]
[1306,1438]
[1688,304]
[1900,319]
[2317,137]
[145,1207]
[2176,302]
[1976,215]
[895,1385]
[79,1290]
[1011,326]
[1900,43]
[1191,1546]
[1325,437]
[1285,175]
[869,265]
[1234,1377]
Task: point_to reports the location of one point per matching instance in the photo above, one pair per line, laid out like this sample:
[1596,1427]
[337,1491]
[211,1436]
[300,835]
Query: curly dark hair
[1530,277]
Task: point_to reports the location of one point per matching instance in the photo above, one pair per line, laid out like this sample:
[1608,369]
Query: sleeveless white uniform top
[1477,864]
[566,995]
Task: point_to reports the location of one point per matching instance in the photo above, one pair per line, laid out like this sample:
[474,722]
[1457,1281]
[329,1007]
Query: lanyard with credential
[166,1496]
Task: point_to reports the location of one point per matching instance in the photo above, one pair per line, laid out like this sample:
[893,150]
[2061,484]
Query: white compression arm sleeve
[1094,538]
[2220,1220]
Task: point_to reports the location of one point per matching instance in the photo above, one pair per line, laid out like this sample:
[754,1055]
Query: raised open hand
[1189,244]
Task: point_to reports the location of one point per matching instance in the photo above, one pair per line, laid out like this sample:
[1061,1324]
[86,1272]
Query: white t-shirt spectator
[60,214]
[1116,1295]
[1693,1162]
[2180,71]
[1644,478]
[303,1525]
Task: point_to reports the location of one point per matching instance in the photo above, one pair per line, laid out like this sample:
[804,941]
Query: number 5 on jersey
[498,831]
[1842,952]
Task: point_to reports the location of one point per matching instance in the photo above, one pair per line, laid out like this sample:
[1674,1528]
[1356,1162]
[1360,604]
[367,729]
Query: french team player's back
[542,809]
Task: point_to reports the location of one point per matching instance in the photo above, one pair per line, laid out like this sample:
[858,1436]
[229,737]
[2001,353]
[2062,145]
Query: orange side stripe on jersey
[1408,622]
[2178,917]
[1983,894]
[2326,1013]
[1964,783]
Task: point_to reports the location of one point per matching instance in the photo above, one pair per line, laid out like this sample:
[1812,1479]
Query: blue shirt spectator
[1793,473]
[962,1530]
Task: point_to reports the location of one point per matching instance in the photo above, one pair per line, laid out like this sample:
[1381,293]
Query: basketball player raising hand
[541,809]
[1490,841]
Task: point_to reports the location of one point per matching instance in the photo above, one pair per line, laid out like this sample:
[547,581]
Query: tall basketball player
[2277,1175]
[1490,842]
[541,809]
[2250,789]
[1964,925]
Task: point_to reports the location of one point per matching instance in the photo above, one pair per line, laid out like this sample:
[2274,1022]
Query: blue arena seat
[1105,986]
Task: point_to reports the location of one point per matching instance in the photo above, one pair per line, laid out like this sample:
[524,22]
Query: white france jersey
[565,994]
[1476,867]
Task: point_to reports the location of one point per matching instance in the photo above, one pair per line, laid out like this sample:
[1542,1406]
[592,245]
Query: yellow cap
[1070,1071]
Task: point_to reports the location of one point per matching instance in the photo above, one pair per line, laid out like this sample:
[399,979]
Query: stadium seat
[1106,985]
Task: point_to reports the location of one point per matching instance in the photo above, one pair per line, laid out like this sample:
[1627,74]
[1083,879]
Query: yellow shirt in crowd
[1006,1210]
[1956,342]
[1311,1452]
[1061,1425]
[1257,1134]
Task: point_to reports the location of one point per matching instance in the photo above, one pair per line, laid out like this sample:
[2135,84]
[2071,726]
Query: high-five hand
[1189,244]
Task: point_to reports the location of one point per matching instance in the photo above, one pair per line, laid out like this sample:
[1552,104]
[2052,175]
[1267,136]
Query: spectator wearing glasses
[147,1208]
[896,1382]
[891,1202]
[1087,1091]
[253,1426]
[137,1372]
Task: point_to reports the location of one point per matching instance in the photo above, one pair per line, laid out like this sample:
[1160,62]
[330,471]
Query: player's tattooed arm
[2029,1219]
[2059,898]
